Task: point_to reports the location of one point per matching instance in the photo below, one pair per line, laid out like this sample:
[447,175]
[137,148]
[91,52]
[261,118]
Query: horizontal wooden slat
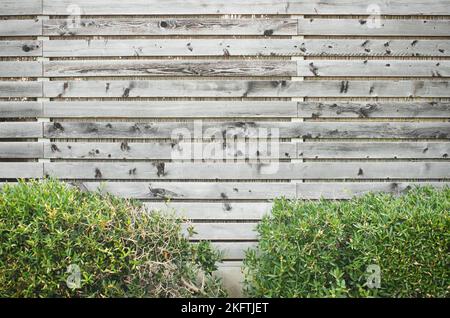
[374,109]
[237,47]
[21,150]
[347,190]
[21,48]
[31,27]
[21,130]
[247,129]
[213,211]
[369,27]
[169,7]
[211,109]
[222,231]
[314,68]
[180,150]
[20,109]
[20,7]
[193,190]
[20,170]
[169,26]
[381,150]
[233,250]
[245,88]
[272,170]
[251,190]
[20,89]
[384,68]
[20,69]
[172,68]
[242,150]
[159,109]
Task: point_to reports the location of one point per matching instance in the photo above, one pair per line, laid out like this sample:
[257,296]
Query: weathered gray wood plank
[233,250]
[238,47]
[21,7]
[21,48]
[193,190]
[246,88]
[305,130]
[169,26]
[347,190]
[242,150]
[384,68]
[31,27]
[21,69]
[374,150]
[378,47]
[222,231]
[20,89]
[13,170]
[172,47]
[21,150]
[152,109]
[173,68]
[164,150]
[248,190]
[247,171]
[367,27]
[213,211]
[212,109]
[374,109]
[170,7]
[20,130]
[20,109]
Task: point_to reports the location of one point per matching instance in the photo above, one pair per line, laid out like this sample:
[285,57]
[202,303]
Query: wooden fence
[352,97]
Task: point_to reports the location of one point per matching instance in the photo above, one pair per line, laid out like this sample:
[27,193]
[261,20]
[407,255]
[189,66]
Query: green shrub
[48,228]
[324,248]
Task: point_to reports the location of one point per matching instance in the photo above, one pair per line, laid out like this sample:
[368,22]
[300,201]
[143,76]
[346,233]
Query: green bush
[47,229]
[324,248]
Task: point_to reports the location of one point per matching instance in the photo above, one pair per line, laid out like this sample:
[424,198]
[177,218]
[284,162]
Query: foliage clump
[325,248]
[49,230]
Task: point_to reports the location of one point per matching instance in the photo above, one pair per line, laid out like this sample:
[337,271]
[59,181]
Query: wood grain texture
[234,250]
[20,109]
[31,27]
[246,88]
[348,190]
[373,150]
[214,150]
[20,69]
[213,211]
[306,130]
[21,7]
[169,26]
[20,130]
[20,89]
[374,109]
[161,109]
[21,150]
[247,171]
[248,190]
[212,109]
[170,7]
[221,231]
[383,68]
[12,170]
[193,190]
[368,27]
[246,47]
[174,68]
[246,150]
[21,48]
